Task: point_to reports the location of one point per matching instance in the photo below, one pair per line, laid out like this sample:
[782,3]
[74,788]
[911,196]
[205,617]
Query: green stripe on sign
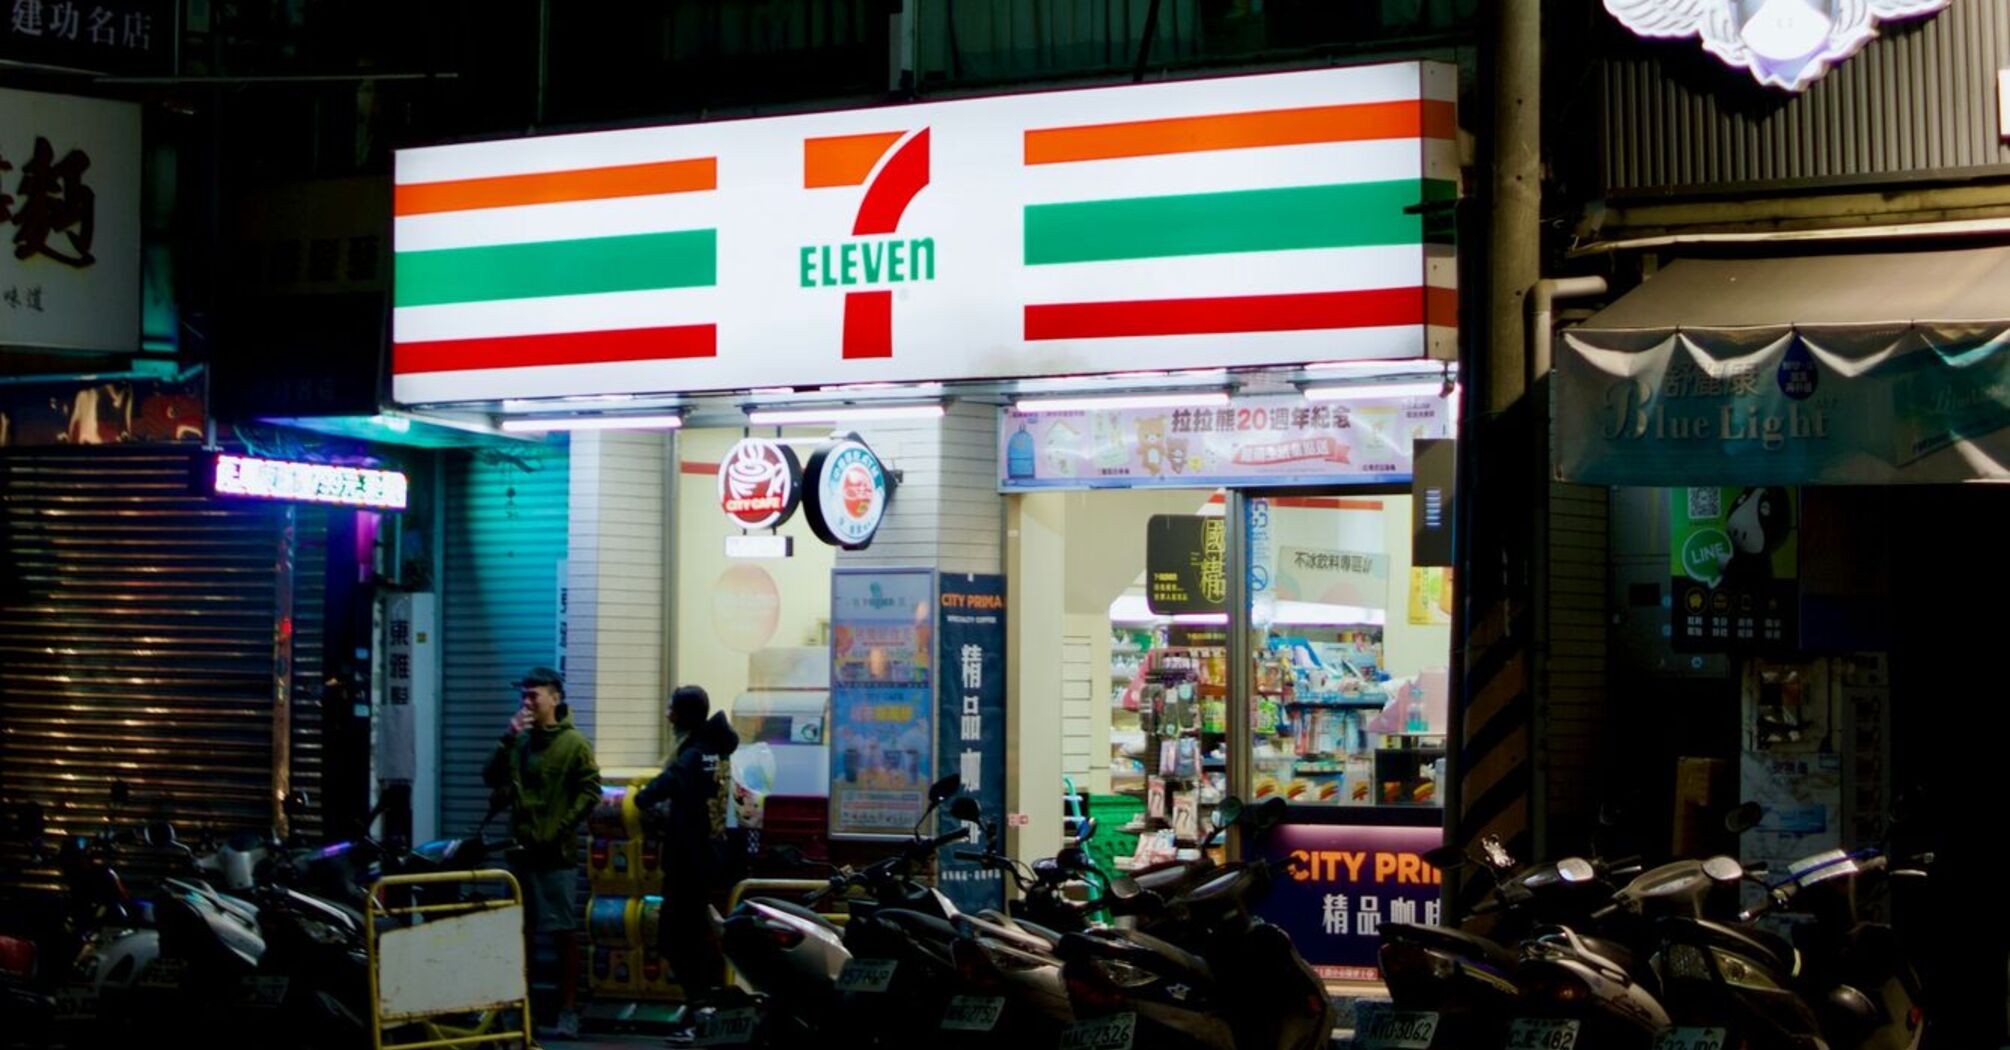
[680,259]
[1350,215]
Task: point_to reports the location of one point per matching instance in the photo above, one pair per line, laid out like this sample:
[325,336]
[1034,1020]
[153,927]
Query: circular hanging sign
[846,489]
[760,482]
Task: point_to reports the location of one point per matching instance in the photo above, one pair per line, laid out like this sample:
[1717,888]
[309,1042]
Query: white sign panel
[1260,220]
[69,222]
[464,963]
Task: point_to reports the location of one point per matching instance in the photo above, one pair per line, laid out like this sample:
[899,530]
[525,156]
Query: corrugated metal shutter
[505,535]
[137,640]
[1574,688]
[1918,100]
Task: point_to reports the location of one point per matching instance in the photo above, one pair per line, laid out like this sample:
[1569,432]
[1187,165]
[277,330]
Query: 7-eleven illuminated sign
[893,168]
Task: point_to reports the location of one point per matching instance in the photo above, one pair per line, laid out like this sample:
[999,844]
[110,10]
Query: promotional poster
[1348,881]
[1734,563]
[882,700]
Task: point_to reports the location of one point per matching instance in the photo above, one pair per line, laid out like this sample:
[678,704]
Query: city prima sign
[1783,43]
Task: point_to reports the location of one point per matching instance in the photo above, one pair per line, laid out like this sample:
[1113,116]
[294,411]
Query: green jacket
[549,779]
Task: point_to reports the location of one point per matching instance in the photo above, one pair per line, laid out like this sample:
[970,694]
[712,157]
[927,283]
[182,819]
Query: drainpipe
[1542,300]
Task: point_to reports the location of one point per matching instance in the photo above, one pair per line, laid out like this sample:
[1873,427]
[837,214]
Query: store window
[753,628]
[1350,650]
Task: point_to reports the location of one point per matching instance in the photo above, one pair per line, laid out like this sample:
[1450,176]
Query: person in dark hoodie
[543,770]
[695,784]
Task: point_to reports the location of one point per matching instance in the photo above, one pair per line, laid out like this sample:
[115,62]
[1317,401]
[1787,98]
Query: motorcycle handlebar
[945,839]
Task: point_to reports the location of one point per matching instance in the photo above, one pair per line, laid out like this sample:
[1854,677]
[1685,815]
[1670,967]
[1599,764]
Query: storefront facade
[1791,399]
[1049,439]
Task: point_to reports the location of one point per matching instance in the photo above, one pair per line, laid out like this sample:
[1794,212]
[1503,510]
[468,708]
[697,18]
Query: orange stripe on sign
[1276,127]
[845,160]
[555,187]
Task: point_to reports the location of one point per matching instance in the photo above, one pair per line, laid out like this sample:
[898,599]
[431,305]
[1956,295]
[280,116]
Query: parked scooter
[810,974]
[1208,972]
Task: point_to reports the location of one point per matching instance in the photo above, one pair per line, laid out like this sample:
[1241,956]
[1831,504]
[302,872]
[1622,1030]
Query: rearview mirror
[944,788]
[965,808]
[1270,812]
[159,833]
[1087,831]
[122,792]
[789,855]
[297,803]
[1228,812]
[1744,818]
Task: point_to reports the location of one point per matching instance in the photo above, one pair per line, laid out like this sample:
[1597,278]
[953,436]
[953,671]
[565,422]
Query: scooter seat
[1138,949]
[919,925]
[791,908]
[1450,941]
[1748,941]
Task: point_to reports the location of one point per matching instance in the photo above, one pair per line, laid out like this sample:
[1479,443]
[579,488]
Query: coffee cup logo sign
[846,489]
[760,482]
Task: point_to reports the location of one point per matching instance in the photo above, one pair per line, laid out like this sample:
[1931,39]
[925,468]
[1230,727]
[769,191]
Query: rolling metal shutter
[142,631]
[505,534]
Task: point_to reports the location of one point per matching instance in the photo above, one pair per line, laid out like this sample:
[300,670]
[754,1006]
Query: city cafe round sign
[760,483]
[846,489]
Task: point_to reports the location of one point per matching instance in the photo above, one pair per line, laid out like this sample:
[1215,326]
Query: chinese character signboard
[98,36]
[971,689]
[882,734]
[69,222]
[1253,440]
[1349,881]
[1186,564]
[1734,558]
[1243,221]
[1902,403]
[1333,577]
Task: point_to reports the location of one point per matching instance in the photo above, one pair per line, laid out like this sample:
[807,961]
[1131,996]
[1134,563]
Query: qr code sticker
[1706,504]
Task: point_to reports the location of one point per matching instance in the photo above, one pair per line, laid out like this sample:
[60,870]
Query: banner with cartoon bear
[1267,440]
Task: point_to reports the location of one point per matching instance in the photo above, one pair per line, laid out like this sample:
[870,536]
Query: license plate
[164,973]
[1102,1033]
[264,991]
[1378,1027]
[973,1013]
[726,1028]
[75,1003]
[1692,1039]
[866,975]
[1541,1033]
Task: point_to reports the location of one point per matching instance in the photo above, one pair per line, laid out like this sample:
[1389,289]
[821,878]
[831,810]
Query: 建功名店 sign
[1242,221]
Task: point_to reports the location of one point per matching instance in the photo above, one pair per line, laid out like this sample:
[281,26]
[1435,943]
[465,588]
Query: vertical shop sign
[396,756]
[1186,564]
[971,691]
[882,700]
[1734,559]
[1345,883]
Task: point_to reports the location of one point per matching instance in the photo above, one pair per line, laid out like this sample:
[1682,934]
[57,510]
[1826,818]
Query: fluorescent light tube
[538,426]
[1199,399]
[783,417]
[1374,391]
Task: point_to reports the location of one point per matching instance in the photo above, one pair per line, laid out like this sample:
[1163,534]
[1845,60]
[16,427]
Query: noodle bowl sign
[846,490]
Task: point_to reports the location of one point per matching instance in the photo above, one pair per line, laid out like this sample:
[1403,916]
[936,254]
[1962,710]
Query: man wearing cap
[543,770]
